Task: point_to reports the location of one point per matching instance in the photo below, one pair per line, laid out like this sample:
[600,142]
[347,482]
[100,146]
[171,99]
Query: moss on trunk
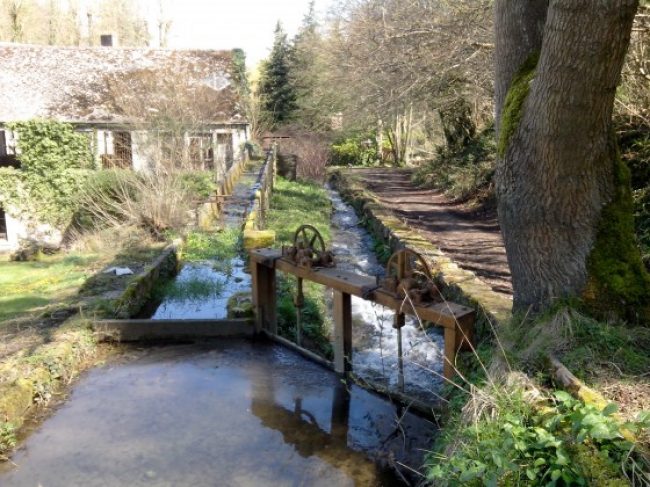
[618,282]
[512,108]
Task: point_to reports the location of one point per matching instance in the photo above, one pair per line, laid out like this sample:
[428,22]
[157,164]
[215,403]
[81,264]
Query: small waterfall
[374,339]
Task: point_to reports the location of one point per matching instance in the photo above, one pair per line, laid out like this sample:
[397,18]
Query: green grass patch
[27,286]
[294,204]
[588,347]
[220,246]
[298,203]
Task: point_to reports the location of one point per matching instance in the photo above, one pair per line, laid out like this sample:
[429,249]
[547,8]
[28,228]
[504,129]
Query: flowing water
[374,339]
[228,413]
[242,413]
[231,277]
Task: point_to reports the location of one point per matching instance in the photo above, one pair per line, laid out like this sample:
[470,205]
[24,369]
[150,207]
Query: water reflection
[232,413]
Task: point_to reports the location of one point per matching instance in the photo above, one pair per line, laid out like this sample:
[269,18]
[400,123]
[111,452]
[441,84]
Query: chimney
[108,40]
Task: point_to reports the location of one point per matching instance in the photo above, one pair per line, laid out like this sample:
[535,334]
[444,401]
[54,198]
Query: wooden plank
[450,353]
[342,332]
[141,330]
[265,257]
[347,282]
[445,314]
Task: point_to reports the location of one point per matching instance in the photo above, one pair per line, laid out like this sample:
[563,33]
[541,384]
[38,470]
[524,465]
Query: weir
[457,320]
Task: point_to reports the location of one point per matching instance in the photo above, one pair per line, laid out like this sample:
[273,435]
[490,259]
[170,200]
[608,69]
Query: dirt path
[472,239]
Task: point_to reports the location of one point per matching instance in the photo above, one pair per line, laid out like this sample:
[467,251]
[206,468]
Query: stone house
[124,99]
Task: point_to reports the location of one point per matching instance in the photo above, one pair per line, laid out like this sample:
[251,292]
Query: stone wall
[461,286]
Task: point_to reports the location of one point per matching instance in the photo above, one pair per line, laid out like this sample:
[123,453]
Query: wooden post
[399,321]
[264,298]
[450,352]
[342,332]
[299,302]
[460,337]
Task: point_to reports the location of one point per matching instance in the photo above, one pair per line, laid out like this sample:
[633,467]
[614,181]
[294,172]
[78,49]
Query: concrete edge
[153,330]
[138,292]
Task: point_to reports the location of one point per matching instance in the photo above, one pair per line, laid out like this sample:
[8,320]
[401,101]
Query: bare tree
[397,61]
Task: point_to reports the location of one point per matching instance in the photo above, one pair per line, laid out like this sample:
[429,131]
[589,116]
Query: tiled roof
[113,85]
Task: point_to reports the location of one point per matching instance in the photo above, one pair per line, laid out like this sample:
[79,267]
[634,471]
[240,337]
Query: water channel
[243,413]
[229,413]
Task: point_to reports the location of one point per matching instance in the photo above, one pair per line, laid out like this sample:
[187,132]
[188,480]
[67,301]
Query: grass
[297,203]
[191,290]
[220,246]
[588,347]
[26,287]
[510,425]
[294,204]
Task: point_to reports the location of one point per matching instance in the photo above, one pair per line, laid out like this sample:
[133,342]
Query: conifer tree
[276,90]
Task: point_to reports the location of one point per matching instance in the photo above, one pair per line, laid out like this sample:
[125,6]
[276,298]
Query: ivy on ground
[564,443]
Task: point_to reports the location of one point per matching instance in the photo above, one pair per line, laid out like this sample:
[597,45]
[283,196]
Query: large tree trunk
[564,196]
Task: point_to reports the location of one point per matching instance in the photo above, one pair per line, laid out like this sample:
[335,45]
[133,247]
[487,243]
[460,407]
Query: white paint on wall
[141,150]
[19,230]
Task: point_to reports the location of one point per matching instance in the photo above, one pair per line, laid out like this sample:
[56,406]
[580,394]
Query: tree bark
[559,175]
[519,29]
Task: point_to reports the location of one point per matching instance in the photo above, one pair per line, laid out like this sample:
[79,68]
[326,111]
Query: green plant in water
[190,290]
[7,437]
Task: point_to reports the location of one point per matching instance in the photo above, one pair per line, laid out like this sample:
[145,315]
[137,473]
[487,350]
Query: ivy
[565,443]
[55,162]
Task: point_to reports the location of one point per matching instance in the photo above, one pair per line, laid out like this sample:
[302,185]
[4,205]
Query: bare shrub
[311,152]
[157,202]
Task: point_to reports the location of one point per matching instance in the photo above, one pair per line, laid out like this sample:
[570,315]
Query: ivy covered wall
[55,164]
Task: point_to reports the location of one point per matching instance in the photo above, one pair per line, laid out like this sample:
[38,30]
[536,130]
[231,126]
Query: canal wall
[461,286]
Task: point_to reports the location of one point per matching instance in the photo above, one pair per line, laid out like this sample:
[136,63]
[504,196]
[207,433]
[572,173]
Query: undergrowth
[221,246]
[527,438]
[505,428]
[464,173]
[588,347]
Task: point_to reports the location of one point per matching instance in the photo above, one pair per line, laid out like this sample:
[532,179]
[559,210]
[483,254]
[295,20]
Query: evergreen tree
[306,71]
[276,90]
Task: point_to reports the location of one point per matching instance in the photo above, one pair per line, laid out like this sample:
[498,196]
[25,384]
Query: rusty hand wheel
[406,265]
[308,237]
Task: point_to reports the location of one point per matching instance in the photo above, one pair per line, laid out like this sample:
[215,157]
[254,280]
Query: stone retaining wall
[255,236]
[138,292]
[462,286]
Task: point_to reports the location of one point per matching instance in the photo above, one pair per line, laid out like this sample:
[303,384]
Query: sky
[226,24]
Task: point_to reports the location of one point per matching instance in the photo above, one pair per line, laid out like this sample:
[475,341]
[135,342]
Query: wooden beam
[264,298]
[342,332]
